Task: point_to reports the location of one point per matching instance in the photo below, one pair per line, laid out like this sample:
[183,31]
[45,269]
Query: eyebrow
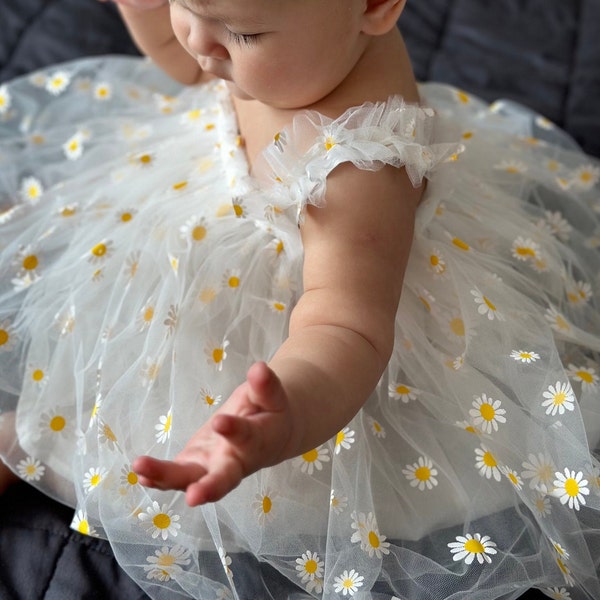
[193,5]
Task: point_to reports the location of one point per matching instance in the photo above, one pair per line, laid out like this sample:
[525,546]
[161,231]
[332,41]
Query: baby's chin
[237,92]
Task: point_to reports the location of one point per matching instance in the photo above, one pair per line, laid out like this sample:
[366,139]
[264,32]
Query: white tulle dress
[143,269]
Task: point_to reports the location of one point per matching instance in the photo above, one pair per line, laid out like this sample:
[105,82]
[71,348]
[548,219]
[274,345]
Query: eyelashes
[246,39]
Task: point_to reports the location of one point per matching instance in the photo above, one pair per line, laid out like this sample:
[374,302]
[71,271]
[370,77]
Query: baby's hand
[140,4]
[249,432]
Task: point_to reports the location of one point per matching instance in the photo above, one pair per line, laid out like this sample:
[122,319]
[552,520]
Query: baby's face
[284,53]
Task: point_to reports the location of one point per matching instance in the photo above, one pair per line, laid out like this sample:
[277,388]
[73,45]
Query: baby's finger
[223,477]
[166,474]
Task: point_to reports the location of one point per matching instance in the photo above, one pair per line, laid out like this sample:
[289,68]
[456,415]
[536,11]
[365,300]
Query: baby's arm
[341,337]
[149,24]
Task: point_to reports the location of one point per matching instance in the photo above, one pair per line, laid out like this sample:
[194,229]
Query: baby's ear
[381,15]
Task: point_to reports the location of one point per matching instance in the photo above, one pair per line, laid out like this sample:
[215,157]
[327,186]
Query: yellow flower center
[311,455]
[126,216]
[95,480]
[278,306]
[489,460]
[166,560]
[67,211]
[585,176]
[279,247]
[238,210]
[329,143]
[487,411]
[233,281]
[179,186]
[571,487]
[402,390]
[513,478]
[83,527]
[37,375]
[99,250]
[585,376]
[339,438]
[474,546]
[132,478]
[489,304]
[460,244]
[374,539]
[561,323]
[161,521]
[145,159]
[525,251]
[30,262]
[217,355]
[57,423]
[198,233]
[423,473]
[207,295]
[463,97]
[376,426]
[209,400]
[109,434]
[457,326]
[310,566]
[267,504]
[167,425]
[559,398]
[30,470]
[149,314]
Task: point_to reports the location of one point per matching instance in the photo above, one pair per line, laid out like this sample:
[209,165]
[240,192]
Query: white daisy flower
[421,474]
[225,562]
[277,306]
[512,476]
[337,503]
[31,190]
[207,397]
[458,362]
[215,353]
[231,279]
[579,292]
[344,439]
[564,569]
[166,562]
[586,176]
[191,116]
[128,477]
[93,478]
[557,320]
[486,413]
[559,397]
[38,376]
[73,147]
[367,533]
[194,229]
[400,391]
[559,549]
[263,504]
[81,524]
[159,521]
[524,356]
[557,225]
[436,263]
[313,459]
[586,375]
[106,435]
[101,251]
[348,582]
[53,422]
[163,428]
[557,593]
[525,249]
[470,547]
[58,82]
[150,371]
[487,464]
[309,569]
[376,428]
[468,426]
[103,91]
[30,469]
[539,469]
[541,504]
[570,488]
[5,99]
[126,215]
[486,306]
[511,166]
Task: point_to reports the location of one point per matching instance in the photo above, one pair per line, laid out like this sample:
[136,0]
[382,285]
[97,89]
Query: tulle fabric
[144,269]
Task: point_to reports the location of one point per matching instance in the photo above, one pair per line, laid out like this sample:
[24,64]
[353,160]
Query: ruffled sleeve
[296,165]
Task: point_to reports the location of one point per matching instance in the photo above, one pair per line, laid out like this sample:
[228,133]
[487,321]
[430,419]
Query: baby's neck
[383,71]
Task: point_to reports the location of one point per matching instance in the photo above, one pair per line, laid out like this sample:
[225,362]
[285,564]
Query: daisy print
[145,316]
[377,428]
[232,279]
[367,533]
[309,568]
[126,215]
[30,469]
[263,505]
[557,320]
[557,593]
[166,563]
[101,251]
[73,147]
[486,307]
[513,477]
[564,569]
[514,167]
[344,439]
[400,391]
[486,464]
[31,190]
[58,82]
[106,435]
[525,249]
[38,376]
[103,91]
[172,317]
[585,375]
[579,292]
[93,478]
[150,371]
[557,225]
[312,460]
[81,524]
[194,230]
[163,428]
[348,582]
[337,503]
[225,562]
[470,547]
[541,505]
[421,474]
[5,99]
[128,477]
[586,177]
[216,353]
[559,550]
[208,398]
[558,398]
[524,356]
[571,487]
[53,422]
[436,263]
[539,469]
[486,413]
[159,521]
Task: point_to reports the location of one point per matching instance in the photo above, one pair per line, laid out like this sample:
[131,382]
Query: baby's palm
[249,432]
